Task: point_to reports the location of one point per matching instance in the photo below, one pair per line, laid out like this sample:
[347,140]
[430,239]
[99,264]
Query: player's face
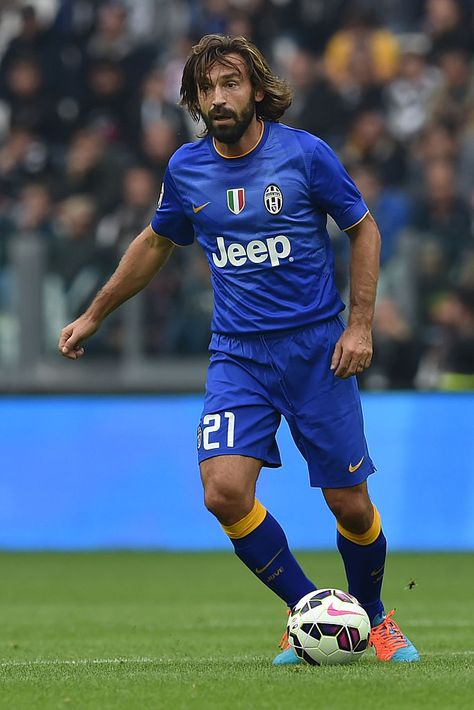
[227,100]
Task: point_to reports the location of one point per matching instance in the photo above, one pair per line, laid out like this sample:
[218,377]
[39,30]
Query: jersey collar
[238,158]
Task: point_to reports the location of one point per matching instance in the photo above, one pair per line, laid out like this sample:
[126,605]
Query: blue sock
[264,550]
[364,564]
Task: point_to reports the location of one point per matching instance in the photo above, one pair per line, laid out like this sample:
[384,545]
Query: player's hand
[73,335]
[353,352]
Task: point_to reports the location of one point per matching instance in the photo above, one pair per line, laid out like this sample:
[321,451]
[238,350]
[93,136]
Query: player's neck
[246,144]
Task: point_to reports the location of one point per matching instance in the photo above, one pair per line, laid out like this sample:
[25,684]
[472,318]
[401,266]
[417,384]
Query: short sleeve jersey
[261,220]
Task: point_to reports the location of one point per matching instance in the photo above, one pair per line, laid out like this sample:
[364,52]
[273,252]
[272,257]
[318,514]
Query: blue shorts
[254,380]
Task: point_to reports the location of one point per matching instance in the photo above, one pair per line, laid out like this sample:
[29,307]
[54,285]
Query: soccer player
[256,195]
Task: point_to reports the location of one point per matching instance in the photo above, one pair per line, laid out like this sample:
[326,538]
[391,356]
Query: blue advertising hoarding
[87,472]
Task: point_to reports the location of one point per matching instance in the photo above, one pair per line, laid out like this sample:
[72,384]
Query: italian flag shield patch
[236,199]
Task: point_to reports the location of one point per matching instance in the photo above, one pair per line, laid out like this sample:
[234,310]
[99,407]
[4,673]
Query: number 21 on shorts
[212,423]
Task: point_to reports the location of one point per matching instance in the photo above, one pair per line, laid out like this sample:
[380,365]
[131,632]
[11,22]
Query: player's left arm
[353,351]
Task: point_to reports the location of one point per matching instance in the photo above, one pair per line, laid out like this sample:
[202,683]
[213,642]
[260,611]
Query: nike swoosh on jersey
[337,612]
[358,465]
[201,207]
[262,569]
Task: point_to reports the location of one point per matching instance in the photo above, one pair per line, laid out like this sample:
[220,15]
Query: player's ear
[259,95]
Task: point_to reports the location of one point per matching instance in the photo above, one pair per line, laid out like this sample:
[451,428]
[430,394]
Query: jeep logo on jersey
[257,251]
[236,199]
[273,199]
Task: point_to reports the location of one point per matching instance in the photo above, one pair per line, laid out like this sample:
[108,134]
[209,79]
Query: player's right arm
[143,259]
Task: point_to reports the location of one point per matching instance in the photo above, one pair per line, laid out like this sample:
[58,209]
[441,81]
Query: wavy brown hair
[215,48]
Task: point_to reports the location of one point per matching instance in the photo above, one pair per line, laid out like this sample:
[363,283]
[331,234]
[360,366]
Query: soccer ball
[328,626]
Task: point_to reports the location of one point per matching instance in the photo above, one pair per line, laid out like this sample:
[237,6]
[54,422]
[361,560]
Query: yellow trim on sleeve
[369,536]
[356,223]
[248,524]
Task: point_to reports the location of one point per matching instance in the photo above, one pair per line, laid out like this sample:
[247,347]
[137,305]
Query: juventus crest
[273,199]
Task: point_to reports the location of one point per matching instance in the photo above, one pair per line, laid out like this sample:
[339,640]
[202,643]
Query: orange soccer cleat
[390,643]
[287,657]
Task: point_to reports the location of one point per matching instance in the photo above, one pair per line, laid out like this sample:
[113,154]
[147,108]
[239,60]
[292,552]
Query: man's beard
[229,133]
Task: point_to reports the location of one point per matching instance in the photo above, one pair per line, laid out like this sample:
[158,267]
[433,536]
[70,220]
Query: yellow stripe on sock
[248,524]
[364,538]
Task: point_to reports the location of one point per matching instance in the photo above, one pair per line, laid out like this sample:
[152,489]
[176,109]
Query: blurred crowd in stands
[89,117]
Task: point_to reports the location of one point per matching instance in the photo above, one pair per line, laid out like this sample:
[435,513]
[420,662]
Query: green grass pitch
[157,630]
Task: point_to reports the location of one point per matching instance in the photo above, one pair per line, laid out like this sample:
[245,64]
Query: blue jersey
[261,220]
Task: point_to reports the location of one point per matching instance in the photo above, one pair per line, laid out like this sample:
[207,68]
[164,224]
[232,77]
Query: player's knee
[228,505]
[353,511]
[215,502]
[357,520]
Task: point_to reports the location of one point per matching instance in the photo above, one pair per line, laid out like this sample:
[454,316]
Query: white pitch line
[429,654]
[77,662]
[459,624]
[168,661]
